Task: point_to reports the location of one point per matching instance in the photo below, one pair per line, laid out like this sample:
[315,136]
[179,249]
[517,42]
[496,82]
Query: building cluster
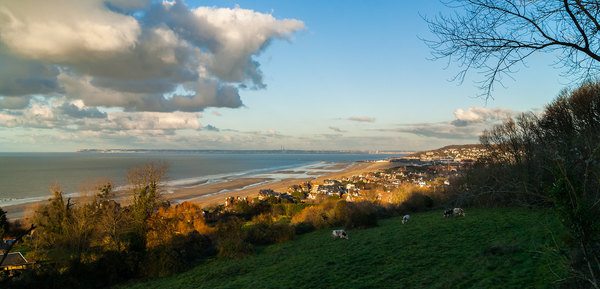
[431,174]
[428,174]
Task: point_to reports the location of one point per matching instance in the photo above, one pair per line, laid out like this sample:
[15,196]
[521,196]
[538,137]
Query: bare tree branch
[493,37]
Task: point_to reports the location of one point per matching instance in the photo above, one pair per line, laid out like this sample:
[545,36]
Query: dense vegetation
[549,159]
[489,248]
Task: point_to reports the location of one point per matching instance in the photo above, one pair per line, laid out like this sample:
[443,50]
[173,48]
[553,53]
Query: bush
[232,239]
[338,213]
[183,252]
[362,215]
[303,228]
[264,233]
[319,216]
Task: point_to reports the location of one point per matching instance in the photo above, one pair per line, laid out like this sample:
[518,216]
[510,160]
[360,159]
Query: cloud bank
[467,124]
[108,64]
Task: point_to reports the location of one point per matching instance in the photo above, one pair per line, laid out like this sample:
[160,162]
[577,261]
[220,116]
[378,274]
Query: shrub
[264,233]
[182,252]
[337,213]
[303,228]
[232,239]
[362,215]
[319,216]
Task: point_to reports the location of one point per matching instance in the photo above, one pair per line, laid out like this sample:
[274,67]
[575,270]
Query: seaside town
[431,170]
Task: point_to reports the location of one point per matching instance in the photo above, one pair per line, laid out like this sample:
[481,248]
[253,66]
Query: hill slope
[489,248]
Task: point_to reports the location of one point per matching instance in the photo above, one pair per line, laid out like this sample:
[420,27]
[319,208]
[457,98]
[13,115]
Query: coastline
[203,197]
[207,194]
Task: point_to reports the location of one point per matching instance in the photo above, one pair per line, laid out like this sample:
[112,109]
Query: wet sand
[215,193]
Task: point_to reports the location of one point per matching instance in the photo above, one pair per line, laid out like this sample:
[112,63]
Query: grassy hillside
[489,248]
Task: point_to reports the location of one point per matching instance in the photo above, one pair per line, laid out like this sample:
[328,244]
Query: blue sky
[344,75]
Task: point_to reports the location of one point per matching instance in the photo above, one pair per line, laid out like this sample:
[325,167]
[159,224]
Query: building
[15,262]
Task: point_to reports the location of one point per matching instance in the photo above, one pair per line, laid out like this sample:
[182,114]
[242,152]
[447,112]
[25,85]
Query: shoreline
[212,193]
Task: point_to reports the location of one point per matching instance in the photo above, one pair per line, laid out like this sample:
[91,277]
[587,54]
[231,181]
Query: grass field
[489,248]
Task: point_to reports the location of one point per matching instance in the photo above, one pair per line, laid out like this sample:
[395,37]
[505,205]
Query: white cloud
[480,115]
[169,58]
[62,30]
[240,33]
[362,118]
[73,116]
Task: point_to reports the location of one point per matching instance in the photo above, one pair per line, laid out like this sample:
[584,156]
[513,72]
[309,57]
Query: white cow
[454,212]
[405,219]
[339,234]
[458,212]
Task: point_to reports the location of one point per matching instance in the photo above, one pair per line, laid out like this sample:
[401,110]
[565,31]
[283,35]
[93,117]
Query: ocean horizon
[27,177]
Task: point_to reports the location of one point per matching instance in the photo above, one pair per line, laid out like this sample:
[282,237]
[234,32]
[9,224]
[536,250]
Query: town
[428,170]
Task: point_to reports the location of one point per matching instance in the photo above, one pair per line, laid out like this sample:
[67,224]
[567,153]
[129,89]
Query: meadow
[489,248]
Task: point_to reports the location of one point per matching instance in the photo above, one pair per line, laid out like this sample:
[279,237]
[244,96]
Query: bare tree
[495,37]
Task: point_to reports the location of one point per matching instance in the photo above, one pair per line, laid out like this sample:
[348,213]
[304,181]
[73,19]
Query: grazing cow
[405,219]
[339,234]
[454,212]
[448,213]
[458,212]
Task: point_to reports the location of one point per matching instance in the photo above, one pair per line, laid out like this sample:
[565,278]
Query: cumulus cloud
[64,31]
[362,118]
[473,115]
[167,58]
[23,77]
[467,124]
[76,117]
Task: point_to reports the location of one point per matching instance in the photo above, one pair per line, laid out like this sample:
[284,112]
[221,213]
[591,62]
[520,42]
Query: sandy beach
[205,199]
[215,193]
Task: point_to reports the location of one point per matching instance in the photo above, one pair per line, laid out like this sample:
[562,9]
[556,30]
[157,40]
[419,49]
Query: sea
[27,177]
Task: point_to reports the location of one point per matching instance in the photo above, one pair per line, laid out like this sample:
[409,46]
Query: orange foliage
[182,219]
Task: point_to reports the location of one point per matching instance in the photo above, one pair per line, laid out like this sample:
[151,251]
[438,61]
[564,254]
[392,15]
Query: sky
[324,75]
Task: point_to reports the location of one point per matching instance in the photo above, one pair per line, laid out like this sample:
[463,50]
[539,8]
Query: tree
[571,143]
[494,37]
[53,238]
[552,158]
[4,225]
[145,184]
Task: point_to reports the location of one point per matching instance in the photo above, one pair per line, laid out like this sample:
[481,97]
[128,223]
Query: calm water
[29,175]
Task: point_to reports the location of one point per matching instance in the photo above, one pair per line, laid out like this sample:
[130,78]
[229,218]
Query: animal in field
[454,212]
[448,213]
[405,219]
[339,234]
[458,212]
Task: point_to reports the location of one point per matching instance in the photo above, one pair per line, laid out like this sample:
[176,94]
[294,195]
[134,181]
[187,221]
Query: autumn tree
[495,38]
[145,184]
[168,222]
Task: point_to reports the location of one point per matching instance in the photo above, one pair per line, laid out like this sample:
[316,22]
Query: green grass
[489,248]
